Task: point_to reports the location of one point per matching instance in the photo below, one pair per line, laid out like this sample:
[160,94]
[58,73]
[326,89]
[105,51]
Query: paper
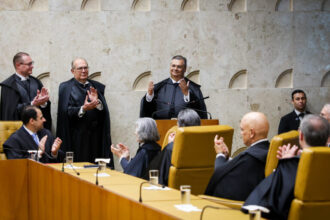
[187,208]
[105,160]
[153,187]
[74,167]
[256,208]
[102,175]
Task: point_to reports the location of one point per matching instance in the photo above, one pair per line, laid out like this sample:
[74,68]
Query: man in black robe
[83,121]
[33,136]
[292,120]
[276,192]
[21,89]
[162,162]
[167,98]
[236,178]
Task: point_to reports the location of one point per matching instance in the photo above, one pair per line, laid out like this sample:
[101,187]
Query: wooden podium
[164,125]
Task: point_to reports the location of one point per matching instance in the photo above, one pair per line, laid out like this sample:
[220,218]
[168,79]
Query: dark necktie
[172,106]
[301,115]
[26,84]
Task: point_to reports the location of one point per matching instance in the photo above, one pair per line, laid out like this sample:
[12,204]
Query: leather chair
[193,155]
[291,137]
[312,188]
[6,129]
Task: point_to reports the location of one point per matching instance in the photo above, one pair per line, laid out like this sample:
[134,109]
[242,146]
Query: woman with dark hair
[147,135]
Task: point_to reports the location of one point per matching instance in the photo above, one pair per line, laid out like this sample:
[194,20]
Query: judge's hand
[286,151]
[120,150]
[56,146]
[41,98]
[151,88]
[42,143]
[171,137]
[184,86]
[220,146]
[92,94]
[89,105]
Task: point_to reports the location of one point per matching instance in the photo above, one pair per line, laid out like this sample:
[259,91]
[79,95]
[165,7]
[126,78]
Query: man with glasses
[83,120]
[22,89]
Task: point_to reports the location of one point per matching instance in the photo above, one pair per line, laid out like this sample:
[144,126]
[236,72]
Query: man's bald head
[254,126]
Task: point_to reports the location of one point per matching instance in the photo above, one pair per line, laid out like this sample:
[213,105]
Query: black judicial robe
[168,101]
[14,97]
[162,162]
[276,192]
[21,141]
[289,122]
[138,166]
[89,136]
[235,179]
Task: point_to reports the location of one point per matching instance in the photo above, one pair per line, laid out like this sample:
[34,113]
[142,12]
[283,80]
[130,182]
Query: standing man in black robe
[165,99]
[236,178]
[276,192]
[83,121]
[22,89]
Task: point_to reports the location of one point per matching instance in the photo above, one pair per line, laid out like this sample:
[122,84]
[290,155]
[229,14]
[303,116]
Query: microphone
[25,151]
[97,176]
[74,169]
[140,193]
[214,207]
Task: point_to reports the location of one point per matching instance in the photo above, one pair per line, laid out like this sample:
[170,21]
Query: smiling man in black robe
[167,98]
[83,121]
[22,89]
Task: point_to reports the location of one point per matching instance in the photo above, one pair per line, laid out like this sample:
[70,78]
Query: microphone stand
[140,193]
[74,170]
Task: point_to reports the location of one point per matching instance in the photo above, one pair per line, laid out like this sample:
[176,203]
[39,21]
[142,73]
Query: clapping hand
[220,146]
[56,146]
[286,151]
[120,150]
[41,98]
[42,143]
[184,86]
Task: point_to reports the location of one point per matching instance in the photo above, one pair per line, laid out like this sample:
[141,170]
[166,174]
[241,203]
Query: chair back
[6,129]
[312,191]
[193,155]
[291,137]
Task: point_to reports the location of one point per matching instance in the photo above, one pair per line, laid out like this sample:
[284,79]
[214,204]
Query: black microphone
[25,151]
[97,176]
[140,193]
[74,169]
[213,207]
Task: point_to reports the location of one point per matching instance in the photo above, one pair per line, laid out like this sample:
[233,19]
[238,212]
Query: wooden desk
[31,190]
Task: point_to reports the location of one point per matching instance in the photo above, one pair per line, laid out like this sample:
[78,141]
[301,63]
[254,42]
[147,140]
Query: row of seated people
[232,178]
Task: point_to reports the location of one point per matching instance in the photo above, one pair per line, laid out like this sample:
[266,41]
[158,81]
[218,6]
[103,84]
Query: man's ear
[252,133]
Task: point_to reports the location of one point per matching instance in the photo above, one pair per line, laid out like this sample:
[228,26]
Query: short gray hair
[188,117]
[78,58]
[146,129]
[316,130]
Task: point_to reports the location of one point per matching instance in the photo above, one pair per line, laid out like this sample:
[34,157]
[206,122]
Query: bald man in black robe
[167,98]
[83,121]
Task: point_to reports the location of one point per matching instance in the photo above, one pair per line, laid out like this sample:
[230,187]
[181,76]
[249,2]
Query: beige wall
[246,54]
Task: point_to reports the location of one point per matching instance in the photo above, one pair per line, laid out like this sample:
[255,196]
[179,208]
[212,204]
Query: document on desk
[101,174]
[187,208]
[153,187]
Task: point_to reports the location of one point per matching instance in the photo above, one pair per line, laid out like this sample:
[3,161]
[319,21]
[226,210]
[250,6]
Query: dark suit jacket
[235,179]
[21,141]
[289,122]
[138,166]
[11,104]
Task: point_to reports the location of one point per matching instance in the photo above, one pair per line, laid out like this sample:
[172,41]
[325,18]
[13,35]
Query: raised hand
[286,151]
[41,98]
[92,94]
[120,150]
[171,137]
[89,105]
[56,146]
[220,146]
[42,143]
[184,86]
[151,88]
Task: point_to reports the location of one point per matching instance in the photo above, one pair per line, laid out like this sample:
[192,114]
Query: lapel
[29,143]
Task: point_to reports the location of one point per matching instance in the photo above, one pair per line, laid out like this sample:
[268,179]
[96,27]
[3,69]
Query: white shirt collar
[23,78]
[176,81]
[261,140]
[298,112]
[29,131]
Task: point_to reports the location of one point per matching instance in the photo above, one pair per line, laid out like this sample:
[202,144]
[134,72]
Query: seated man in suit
[276,191]
[292,120]
[33,136]
[162,162]
[236,178]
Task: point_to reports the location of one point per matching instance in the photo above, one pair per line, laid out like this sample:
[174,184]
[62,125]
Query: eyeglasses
[82,68]
[28,64]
